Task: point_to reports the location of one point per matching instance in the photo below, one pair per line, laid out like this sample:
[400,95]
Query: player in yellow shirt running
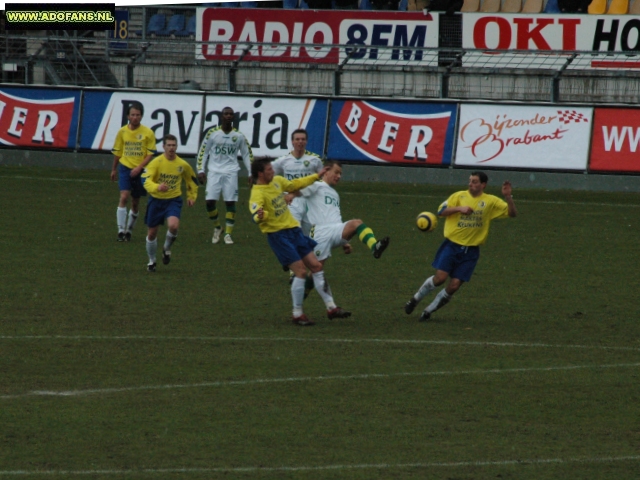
[468,215]
[163,180]
[134,147]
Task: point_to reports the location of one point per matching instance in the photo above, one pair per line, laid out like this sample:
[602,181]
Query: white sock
[168,241]
[121,216]
[132,221]
[440,301]
[152,249]
[426,287]
[322,287]
[297,295]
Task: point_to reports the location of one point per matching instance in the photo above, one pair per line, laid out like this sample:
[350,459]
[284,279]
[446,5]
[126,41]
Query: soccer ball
[427,221]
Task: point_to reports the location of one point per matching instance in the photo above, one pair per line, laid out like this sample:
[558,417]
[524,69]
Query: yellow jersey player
[134,147]
[293,249]
[468,215]
[163,180]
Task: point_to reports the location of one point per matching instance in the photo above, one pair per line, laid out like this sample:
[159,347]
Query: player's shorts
[328,236]
[222,183]
[129,183]
[457,260]
[290,245]
[159,208]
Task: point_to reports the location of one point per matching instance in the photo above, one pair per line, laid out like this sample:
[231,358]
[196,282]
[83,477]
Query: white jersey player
[296,164]
[328,229]
[218,157]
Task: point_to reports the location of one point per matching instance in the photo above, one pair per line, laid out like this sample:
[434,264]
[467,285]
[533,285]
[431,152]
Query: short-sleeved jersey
[291,167]
[323,204]
[472,230]
[271,199]
[132,146]
[219,152]
[172,172]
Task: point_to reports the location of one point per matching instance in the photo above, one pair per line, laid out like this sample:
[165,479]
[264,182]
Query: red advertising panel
[615,143]
[232,33]
[616,36]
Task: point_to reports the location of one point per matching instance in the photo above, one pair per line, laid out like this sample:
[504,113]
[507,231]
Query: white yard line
[322,378]
[319,468]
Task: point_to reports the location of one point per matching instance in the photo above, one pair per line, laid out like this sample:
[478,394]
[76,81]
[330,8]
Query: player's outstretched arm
[508,197]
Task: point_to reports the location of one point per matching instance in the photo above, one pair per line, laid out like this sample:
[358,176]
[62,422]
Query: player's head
[262,170]
[226,120]
[334,174]
[170,145]
[135,111]
[477,183]
[299,139]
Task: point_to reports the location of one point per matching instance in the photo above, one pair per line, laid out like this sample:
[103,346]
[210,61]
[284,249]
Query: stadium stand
[634,9]
[552,7]
[490,6]
[190,28]
[176,24]
[511,6]
[156,24]
[532,6]
[470,6]
[618,7]
[597,7]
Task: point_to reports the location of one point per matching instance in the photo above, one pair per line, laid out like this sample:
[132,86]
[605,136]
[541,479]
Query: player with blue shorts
[293,249]
[468,215]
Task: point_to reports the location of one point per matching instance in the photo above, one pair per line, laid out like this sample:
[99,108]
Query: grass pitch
[195,372]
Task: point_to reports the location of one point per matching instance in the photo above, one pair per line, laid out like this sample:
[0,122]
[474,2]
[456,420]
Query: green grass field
[195,372]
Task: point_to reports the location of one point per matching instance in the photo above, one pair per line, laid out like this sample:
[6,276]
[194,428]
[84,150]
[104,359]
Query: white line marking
[303,468]
[321,340]
[263,381]
[398,195]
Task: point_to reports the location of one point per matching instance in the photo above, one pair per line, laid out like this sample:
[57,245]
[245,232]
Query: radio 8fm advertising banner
[392,132]
[268,122]
[39,118]
[289,34]
[524,136]
[104,113]
[615,144]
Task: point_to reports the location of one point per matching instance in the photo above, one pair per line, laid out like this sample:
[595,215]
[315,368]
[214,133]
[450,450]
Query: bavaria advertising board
[513,136]
[392,132]
[268,122]
[615,143]
[104,113]
[616,36]
[291,32]
[39,118]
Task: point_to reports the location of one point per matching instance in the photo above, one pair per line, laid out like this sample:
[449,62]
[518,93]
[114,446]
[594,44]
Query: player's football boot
[380,247]
[410,305]
[121,236]
[216,235]
[303,321]
[425,316]
[151,267]
[166,256]
[228,240]
[338,313]
[127,236]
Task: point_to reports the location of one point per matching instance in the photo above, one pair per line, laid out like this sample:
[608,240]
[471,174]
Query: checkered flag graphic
[568,116]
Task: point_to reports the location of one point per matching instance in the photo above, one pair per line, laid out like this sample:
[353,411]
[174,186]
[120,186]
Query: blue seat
[552,7]
[176,24]
[365,5]
[403,5]
[190,29]
[248,5]
[289,3]
[155,25]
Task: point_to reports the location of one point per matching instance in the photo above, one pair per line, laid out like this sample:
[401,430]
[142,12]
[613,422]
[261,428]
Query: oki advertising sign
[615,143]
[268,122]
[104,113]
[541,32]
[335,34]
[392,132]
[39,118]
[524,137]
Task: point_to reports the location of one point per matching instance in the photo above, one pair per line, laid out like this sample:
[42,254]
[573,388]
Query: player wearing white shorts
[297,164]
[328,229]
[218,156]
